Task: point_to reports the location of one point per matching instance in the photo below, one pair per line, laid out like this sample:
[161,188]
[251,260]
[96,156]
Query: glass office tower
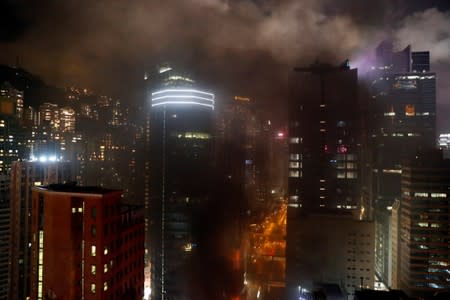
[178,139]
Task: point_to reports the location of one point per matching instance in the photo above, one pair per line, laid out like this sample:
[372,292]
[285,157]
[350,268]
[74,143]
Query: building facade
[85,244]
[330,248]
[424,226]
[325,132]
[24,176]
[5,236]
[402,121]
[178,138]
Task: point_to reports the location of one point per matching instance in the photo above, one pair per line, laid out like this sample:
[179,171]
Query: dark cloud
[239,46]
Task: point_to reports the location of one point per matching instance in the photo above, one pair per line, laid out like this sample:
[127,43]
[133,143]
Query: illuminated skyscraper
[422,265]
[49,114]
[8,92]
[12,133]
[67,120]
[402,114]
[177,170]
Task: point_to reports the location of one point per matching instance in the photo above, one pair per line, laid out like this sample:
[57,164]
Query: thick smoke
[91,42]
[430,30]
[246,47]
[427,30]
[240,46]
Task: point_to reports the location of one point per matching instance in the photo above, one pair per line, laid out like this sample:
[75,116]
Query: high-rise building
[12,148]
[8,92]
[178,135]
[235,143]
[67,119]
[49,114]
[402,117]
[329,247]
[424,221]
[5,236]
[235,167]
[444,141]
[420,61]
[12,135]
[324,138]
[325,132]
[24,176]
[85,245]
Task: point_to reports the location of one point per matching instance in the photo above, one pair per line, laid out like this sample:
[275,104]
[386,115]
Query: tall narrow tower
[324,132]
[177,171]
[324,143]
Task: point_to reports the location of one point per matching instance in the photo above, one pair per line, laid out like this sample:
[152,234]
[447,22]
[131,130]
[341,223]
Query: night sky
[242,47]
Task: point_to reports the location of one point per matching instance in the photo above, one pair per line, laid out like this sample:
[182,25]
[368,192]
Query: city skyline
[225,149]
[238,37]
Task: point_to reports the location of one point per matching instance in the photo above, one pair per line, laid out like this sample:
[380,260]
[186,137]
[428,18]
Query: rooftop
[71,187]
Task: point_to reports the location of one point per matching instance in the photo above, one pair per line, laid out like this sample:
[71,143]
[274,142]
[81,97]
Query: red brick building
[85,244]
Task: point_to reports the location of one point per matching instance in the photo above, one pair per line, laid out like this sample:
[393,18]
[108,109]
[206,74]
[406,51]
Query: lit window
[351,157]
[93,251]
[352,175]
[105,286]
[410,110]
[294,157]
[294,140]
[105,268]
[293,174]
[438,195]
[351,165]
[420,194]
[93,288]
[294,165]
[105,251]
[293,198]
[93,270]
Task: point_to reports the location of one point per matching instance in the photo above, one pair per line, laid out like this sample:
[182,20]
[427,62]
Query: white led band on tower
[183,97]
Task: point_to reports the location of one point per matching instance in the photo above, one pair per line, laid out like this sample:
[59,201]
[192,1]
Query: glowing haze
[241,46]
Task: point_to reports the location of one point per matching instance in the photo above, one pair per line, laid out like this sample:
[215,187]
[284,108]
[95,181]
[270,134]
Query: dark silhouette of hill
[35,90]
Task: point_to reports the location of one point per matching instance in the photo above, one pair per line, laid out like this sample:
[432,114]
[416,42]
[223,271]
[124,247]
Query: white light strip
[188,91]
[184,97]
[183,102]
